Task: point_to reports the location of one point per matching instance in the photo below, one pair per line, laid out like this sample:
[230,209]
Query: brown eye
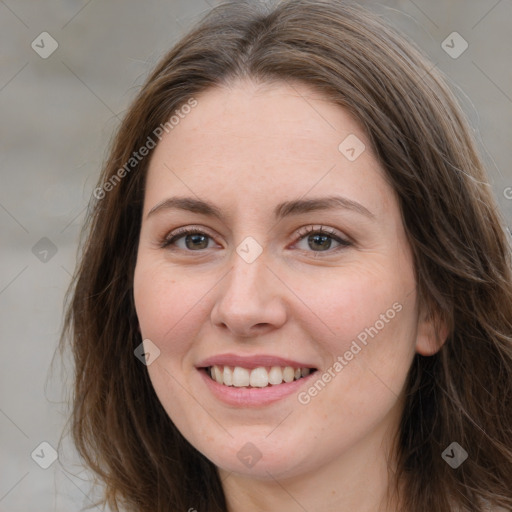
[187,240]
[196,241]
[321,240]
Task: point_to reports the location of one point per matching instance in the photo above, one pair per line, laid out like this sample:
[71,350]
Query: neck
[359,480]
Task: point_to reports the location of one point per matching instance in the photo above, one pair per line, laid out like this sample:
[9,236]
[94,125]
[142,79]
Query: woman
[295,288]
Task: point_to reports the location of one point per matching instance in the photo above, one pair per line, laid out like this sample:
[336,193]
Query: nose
[250,299]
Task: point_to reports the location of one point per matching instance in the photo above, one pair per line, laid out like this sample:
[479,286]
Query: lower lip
[252,397]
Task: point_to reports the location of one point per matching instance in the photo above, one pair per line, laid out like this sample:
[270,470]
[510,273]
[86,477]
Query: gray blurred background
[58,112]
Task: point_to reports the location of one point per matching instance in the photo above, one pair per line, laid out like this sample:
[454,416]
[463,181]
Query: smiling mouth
[261,377]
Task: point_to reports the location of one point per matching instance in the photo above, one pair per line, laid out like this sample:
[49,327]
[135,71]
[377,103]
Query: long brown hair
[462,260]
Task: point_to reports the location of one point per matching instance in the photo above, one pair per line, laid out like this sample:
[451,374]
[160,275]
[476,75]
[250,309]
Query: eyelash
[301,234]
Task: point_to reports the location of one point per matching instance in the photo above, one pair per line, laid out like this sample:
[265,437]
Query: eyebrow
[288,208]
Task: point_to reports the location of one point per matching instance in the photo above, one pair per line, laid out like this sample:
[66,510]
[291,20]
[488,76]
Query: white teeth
[227,376]
[259,377]
[217,374]
[275,375]
[288,374]
[240,377]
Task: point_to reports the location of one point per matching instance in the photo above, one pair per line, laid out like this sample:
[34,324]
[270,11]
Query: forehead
[251,115]
[263,142]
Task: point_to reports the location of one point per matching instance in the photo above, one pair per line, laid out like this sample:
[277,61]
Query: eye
[187,239]
[316,239]
[320,239]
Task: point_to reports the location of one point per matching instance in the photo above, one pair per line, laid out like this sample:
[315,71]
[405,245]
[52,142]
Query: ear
[431,334]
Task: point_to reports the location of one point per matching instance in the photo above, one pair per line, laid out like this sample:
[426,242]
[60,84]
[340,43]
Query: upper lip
[250,362]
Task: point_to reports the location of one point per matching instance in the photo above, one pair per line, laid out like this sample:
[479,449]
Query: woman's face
[297,262]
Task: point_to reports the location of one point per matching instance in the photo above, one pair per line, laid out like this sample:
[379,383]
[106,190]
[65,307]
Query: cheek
[369,320]
[170,312]
[347,304]
[168,306]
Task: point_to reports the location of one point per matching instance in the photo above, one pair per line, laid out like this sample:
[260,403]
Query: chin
[262,459]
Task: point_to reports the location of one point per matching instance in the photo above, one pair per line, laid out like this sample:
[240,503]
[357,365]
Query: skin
[247,147]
